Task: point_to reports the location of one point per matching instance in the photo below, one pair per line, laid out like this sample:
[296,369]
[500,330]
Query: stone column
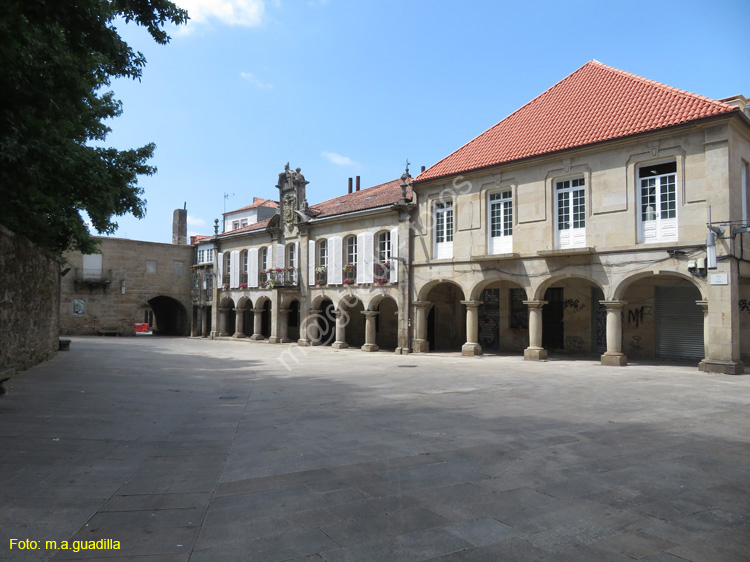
[223,322]
[472,347]
[311,328]
[239,323]
[370,337]
[614,355]
[420,343]
[535,351]
[342,320]
[257,324]
[282,323]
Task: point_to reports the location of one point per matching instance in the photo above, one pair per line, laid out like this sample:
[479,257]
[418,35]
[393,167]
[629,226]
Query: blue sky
[355,88]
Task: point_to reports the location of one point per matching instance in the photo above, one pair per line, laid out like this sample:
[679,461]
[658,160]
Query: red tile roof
[596,103]
[196,239]
[257,202]
[381,195]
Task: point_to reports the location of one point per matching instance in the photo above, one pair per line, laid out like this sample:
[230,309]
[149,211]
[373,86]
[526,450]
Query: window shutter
[311,263]
[252,267]
[335,273]
[234,269]
[394,256]
[280,256]
[220,268]
[366,257]
[297,262]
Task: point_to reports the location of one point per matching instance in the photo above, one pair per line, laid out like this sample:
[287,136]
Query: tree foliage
[57,60]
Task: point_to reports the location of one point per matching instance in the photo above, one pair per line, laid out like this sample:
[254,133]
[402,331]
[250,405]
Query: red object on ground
[141,327]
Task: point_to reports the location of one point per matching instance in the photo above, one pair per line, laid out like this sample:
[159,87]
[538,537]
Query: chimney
[422,169]
[179,226]
[357,183]
[350,185]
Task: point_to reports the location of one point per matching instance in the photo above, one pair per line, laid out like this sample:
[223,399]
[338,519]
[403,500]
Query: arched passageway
[663,320]
[351,308]
[170,317]
[446,318]
[386,324]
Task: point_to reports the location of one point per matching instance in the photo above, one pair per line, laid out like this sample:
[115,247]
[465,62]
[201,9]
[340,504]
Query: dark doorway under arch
[170,316]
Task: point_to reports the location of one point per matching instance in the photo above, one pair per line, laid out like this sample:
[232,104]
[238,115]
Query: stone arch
[537,292]
[321,325]
[292,304]
[227,317]
[386,325]
[445,318]
[476,291]
[427,287]
[170,316]
[351,308]
[621,288]
[315,303]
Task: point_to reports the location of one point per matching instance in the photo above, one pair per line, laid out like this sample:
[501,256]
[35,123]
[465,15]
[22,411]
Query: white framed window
[235,225]
[323,253]
[201,256]
[570,213]
[263,262]
[657,191]
[291,255]
[351,250]
[500,206]
[243,222]
[443,229]
[384,247]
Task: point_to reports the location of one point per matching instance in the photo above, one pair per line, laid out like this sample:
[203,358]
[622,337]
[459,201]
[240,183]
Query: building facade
[607,217]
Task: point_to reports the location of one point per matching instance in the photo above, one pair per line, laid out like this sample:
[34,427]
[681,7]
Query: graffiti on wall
[635,347]
[574,305]
[574,342]
[745,306]
[637,315]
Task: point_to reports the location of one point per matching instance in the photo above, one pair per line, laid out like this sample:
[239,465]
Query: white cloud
[255,81]
[338,159]
[195,221]
[244,13]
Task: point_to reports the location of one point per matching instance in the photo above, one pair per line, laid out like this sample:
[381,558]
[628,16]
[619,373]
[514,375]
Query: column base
[721,367]
[302,342]
[238,335]
[274,339]
[339,345]
[534,354]
[421,346]
[257,337]
[614,359]
[471,349]
[403,351]
[370,347]
[223,334]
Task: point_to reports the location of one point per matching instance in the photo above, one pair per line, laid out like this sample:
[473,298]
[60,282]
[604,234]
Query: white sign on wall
[719,279]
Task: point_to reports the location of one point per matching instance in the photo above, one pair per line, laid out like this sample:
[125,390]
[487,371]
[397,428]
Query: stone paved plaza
[189,449]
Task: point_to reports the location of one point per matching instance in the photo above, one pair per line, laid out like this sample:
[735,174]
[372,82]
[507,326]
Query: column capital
[313,311]
[257,310]
[535,304]
[284,310]
[472,304]
[613,305]
[239,309]
[421,304]
[370,313]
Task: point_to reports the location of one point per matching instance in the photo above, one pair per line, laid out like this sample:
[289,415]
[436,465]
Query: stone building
[579,224]
[328,274]
[605,217]
[129,282]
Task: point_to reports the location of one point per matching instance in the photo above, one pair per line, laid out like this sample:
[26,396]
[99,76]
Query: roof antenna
[226,196]
[407,166]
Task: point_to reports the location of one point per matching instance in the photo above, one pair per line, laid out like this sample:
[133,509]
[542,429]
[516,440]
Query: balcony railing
[350,274]
[281,277]
[382,273]
[93,275]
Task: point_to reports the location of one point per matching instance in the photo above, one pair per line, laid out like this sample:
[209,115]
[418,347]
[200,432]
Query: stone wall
[136,278]
[29,303]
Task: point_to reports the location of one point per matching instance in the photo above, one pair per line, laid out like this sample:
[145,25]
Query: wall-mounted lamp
[122,286]
[711,248]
